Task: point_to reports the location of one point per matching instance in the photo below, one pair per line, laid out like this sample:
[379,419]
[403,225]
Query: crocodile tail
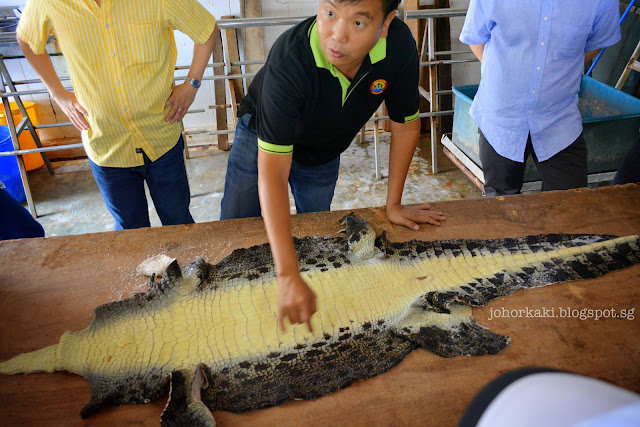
[43,360]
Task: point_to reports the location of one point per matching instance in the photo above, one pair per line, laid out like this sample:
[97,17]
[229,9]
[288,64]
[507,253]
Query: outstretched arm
[296,300]
[404,139]
[43,67]
[182,95]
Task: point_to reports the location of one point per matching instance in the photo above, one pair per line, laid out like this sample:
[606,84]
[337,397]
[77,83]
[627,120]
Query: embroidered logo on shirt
[378,86]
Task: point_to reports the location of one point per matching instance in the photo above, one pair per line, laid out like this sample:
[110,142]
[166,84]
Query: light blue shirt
[532,66]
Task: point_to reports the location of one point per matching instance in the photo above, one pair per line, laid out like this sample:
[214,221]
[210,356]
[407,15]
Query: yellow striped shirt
[121,58]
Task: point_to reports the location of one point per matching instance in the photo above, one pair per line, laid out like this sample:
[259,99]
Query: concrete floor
[70,202]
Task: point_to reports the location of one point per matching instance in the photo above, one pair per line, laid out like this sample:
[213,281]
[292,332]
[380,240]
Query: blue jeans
[123,190]
[312,186]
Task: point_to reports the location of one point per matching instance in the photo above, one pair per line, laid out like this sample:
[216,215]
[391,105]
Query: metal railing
[243,23]
[428,42]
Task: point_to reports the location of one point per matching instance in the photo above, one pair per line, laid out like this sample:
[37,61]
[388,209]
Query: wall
[284,8]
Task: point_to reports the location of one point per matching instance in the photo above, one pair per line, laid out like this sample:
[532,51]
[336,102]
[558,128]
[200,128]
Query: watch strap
[193,82]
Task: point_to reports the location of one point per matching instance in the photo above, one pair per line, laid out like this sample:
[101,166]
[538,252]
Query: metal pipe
[25,92]
[249,62]
[434,13]
[376,149]
[373,119]
[421,115]
[210,132]
[182,67]
[453,52]
[624,15]
[53,125]
[22,56]
[229,77]
[433,101]
[43,91]
[40,150]
[447,61]
[32,81]
[211,65]
[259,22]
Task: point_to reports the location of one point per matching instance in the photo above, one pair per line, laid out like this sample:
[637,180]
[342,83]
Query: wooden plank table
[49,286]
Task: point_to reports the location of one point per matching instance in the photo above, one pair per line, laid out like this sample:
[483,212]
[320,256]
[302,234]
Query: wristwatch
[193,82]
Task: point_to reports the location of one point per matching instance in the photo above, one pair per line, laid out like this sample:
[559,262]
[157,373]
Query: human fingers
[170,104]
[78,119]
[433,218]
[78,125]
[181,112]
[305,317]
[402,220]
[422,207]
[172,112]
[415,213]
[313,304]
[306,313]
[170,100]
[81,114]
[176,114]
[80,108]
[293,316]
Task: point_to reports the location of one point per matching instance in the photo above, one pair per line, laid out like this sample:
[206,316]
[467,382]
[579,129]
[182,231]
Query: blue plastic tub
[9,172]
[611,121]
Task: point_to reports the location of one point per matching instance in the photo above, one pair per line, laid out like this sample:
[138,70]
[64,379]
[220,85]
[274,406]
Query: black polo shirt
[303,104]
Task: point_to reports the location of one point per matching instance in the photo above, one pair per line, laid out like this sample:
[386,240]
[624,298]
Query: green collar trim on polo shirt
[378,53]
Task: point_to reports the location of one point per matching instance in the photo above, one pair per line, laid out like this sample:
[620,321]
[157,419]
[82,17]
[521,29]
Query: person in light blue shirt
[532,54]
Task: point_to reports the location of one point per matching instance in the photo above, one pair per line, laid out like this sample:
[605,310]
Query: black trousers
[629,171]
[502,176]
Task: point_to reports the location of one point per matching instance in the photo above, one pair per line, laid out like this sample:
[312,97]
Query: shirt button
[117,82]
[113,54]
[125,109]
[533,91]
[106,25]
[538,68]
[546,18]
[542,44]
[529,111]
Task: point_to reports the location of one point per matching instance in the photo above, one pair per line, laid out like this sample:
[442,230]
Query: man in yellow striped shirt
[121,57]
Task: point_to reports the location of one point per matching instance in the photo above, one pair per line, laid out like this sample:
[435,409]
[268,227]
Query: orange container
[31,161]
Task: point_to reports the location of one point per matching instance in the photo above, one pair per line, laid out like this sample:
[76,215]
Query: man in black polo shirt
[322,81]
